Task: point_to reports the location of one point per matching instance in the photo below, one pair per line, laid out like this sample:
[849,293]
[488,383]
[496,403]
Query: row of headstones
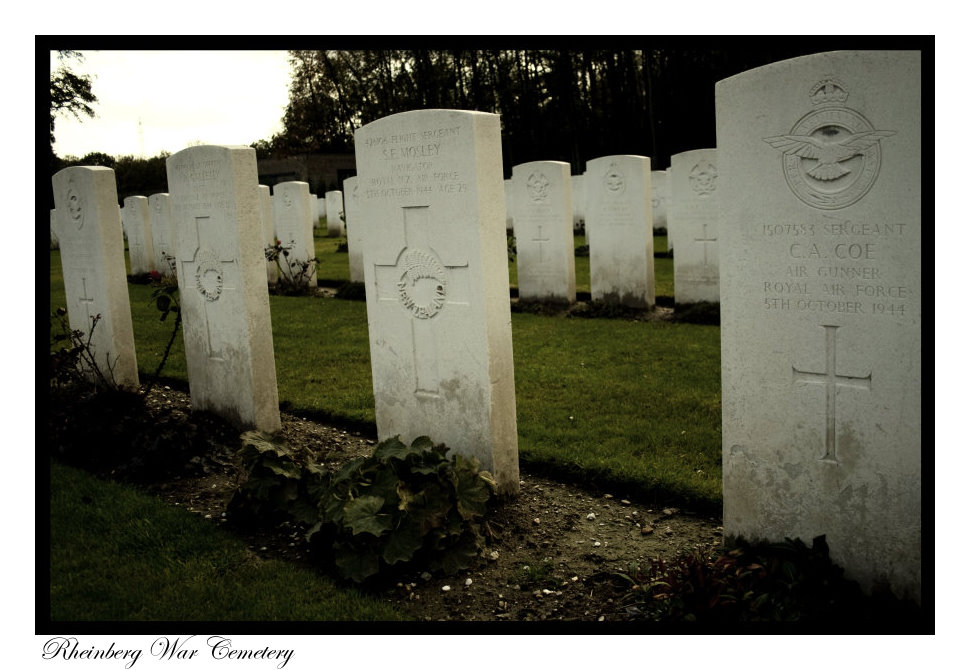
[290,214]
[158,205]
[819,254]
[621,203]
[623,207]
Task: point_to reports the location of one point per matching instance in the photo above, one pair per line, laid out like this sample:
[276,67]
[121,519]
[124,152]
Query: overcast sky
[154,101]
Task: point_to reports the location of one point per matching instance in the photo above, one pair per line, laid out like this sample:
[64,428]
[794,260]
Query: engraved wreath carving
[420,266]
[208,275]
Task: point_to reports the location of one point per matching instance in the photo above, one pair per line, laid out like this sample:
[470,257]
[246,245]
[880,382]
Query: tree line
[555,104]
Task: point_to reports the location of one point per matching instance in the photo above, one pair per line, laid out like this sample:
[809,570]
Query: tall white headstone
[694,210]
[436,270]
[222,284]
[619,226]
[160,206]
[335,214]
[294,228]
[821,306]
[355,229]
[136,220]
[88,223]
[541,195]
[269,229]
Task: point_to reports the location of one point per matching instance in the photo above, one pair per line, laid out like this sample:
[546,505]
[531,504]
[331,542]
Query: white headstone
[821,305]
[222,284]
[579,202]
[355,230]
[660,190]
[546,260]
[294,227]
[619,227]
[436,269]
[694,210]
[269,230]
[335,213]
[136,220]
[88,223]
[160,206]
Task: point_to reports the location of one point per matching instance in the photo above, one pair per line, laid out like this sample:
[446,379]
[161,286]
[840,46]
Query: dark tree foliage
[556,104]
[70,93]
[133,176]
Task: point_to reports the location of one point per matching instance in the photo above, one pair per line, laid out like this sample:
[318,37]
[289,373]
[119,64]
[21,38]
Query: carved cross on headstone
[423,284]
[705,240]
[831,381]
[213,273]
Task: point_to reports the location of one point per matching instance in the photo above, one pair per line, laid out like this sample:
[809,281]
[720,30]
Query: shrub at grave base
[281,485]
[75,362]
[402,505]
[293,274]
[405,504]
[113,432]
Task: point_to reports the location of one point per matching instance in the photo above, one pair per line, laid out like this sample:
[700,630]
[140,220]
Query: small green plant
[405,504]
[534,575]
[510,243]
[75,361]
[293,274]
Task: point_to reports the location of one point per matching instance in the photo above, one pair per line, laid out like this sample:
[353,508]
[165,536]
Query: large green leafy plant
[404,504]
[282,483]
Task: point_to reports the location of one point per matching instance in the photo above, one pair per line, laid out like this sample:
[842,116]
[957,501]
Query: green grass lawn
[105,538]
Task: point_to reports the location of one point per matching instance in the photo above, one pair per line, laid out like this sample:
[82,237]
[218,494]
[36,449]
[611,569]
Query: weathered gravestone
[136,221]
[821,304]
[620,230]
[269,230]
[541,196]
[222,284]
[660,199]
[436,270]
[335,213]
[294,228]
[160,206]
[695,189]
[579,202]
[88,223]
[355,230]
